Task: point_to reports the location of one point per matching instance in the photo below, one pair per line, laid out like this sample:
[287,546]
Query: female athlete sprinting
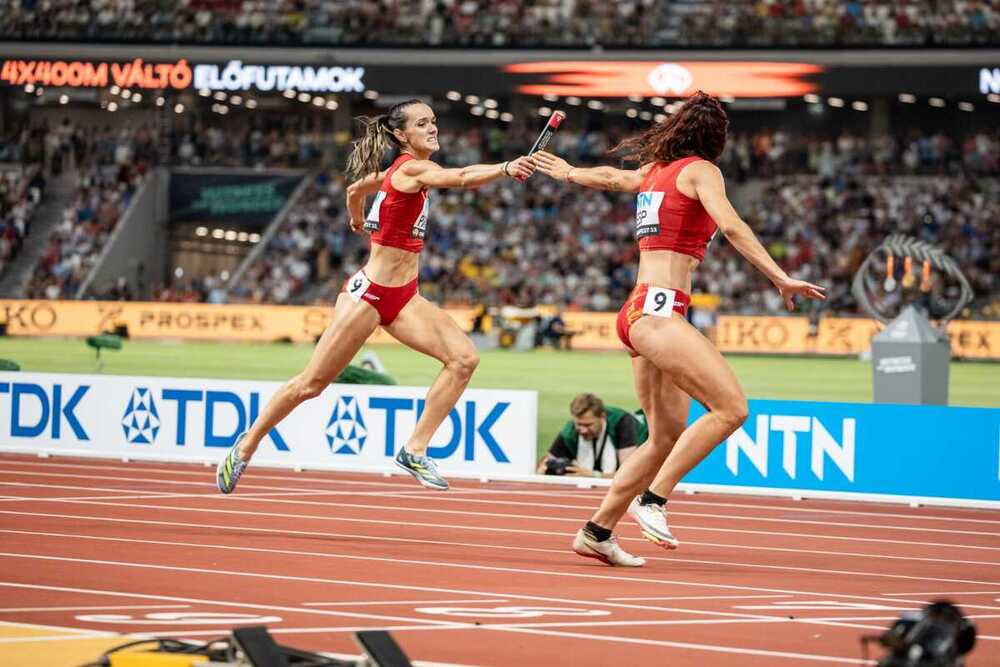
[681,204]
[384,292]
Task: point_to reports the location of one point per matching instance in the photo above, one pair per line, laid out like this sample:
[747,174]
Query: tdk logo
[141,422]
[465,423]
[346,432]
[214,402]
[820,442]
[34,408]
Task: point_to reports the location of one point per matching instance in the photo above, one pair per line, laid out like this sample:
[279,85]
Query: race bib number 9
[372,222]
[647,214]
[357,285]
[659,302]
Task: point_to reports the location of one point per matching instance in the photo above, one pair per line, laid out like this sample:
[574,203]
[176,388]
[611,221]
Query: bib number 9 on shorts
[659,302]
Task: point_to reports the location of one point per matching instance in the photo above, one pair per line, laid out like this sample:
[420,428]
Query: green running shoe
[229,470]
[423,468]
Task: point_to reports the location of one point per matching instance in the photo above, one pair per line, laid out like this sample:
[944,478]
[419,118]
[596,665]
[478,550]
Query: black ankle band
[599,533]
[650,498]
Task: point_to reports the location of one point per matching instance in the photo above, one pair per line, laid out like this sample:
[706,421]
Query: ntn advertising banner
[349,427]
[905,451]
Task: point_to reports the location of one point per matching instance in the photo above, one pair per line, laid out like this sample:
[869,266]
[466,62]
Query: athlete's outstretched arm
[356,193]
[426,174]
[599,178]
[711,190]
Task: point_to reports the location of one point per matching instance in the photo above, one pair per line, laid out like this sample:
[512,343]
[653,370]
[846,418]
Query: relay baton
[555,120]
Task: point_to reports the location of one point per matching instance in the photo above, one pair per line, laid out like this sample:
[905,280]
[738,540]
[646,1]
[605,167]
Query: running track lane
[479,575]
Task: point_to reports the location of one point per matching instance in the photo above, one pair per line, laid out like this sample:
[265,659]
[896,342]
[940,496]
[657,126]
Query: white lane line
[946,593]
[80,634]
[699,597]
[8,610]
[290,532]
[145,481]
[298,477]
[329,517]
[54,638]
[174,598]
[402,561]
[392,602]
[712,648]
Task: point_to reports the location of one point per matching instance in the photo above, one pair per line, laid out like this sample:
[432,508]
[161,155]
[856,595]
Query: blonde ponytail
[368,151]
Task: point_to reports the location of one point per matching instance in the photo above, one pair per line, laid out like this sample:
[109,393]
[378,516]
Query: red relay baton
[555,120]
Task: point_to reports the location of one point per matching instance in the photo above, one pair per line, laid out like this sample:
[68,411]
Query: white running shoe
[652,519]
[607,551]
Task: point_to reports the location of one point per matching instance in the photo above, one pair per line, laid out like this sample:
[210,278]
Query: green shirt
[622,429]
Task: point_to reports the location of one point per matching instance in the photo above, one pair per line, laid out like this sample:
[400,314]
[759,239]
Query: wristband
[504,169]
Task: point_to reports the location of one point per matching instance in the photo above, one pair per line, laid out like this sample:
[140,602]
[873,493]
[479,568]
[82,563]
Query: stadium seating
[524,23]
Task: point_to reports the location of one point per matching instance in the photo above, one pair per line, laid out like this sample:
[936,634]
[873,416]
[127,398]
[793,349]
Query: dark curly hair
[697,128]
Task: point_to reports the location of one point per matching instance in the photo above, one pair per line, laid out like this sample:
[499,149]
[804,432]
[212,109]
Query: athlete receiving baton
[384,292]
[681,205]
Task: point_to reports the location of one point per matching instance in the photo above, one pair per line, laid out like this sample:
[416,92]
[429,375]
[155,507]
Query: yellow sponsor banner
[196,321]
[594,331]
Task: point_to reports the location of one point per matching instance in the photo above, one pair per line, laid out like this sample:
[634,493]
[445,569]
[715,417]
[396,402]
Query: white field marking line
[852,554]
[55,638]
[886,618]
[377,538]
[8,610]
[405,561]
[423,510]
[673,503]
[700,597]
[149,495]
[523,531]
[688,645]
[170,598]
[392,602]
[697,514]
[58,628]
[946,593]
[788,568]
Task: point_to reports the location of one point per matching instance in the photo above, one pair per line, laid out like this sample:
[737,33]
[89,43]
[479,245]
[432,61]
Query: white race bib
[659,302]
[420,226]
[357,285]
[647,213]
[372,222]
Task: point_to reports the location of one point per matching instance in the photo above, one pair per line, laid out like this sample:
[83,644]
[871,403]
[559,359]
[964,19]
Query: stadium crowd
[21,191]
[526,23]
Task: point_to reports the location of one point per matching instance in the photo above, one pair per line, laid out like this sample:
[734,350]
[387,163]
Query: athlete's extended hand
[357,226]
[789,287]
[522,168]
[553,166]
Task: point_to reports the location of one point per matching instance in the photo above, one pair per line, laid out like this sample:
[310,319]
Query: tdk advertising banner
[346,427]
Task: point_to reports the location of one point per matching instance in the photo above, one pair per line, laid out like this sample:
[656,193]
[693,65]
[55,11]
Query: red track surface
[480,575]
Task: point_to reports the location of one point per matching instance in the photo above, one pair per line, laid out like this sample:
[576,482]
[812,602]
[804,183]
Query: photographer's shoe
[607,551]
[422,468]
[652,519]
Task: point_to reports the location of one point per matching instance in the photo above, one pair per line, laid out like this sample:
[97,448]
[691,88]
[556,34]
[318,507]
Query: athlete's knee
[464,362]
[304,388]
[734,412]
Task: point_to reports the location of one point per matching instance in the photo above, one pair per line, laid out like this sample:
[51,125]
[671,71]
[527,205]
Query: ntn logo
[822,445]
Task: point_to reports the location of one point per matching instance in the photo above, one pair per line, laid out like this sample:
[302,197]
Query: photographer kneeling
[595,442]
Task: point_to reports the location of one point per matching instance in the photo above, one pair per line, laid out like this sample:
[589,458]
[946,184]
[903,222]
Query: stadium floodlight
[136,98]
[646,115]
[179,108]
[236,100]
[112,106]
[224,275]
[632,113]
[318,101]
[453,95]
[29,88]
[126,94]
[660,117]
[635,98]
[907,98]
[859,106]
[966,106]
[993,97]
[371,94]
[290,94]
[507,117]
[835,102]
[476,111]
[220,96]
[549,97]
[332,105]
[490,103]
[160,101]
[305,98]
[492,113]
[242,237]
[115,90]
[201,231]
[64,99]
[811,98]
[544,111]
[472,99]
[727,99]
[596,105]
[218,233]
[658,101]
[204,92]
[251,104]
[231,235]
[936,102]
[573,101]
[255,238]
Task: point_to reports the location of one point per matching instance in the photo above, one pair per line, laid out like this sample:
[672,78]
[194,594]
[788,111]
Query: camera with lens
[556,465]
[936,636]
